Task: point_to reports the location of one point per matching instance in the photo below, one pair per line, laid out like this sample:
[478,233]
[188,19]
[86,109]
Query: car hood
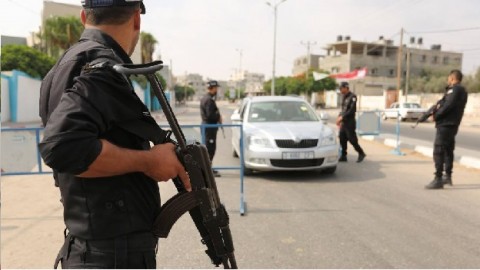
[289,130]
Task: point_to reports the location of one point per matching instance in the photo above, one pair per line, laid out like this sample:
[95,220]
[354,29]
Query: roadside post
[397,151]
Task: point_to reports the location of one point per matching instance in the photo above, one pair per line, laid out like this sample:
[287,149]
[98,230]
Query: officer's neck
[118,33]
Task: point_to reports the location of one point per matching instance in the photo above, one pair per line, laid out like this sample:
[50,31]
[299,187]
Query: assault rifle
[431,111]
[203,202]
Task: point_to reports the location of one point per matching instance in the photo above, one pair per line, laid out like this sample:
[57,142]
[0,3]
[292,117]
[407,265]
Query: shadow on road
[346,172]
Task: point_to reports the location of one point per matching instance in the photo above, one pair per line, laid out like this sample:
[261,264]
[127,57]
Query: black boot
[361,157]
[342,159]
[437,183]
[447,180]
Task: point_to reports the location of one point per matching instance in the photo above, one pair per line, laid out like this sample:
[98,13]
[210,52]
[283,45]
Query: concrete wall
[21,94]
[28,95]
[5,109]
[425,100]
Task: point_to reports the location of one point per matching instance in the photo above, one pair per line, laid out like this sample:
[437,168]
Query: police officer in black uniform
[448,117]
[211,115]
[97,140]
[347,124]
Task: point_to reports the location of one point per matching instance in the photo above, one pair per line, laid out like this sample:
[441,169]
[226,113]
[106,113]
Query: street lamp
[274,6]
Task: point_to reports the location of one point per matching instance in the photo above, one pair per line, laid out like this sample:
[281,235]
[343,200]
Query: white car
[404,110]
[284,133]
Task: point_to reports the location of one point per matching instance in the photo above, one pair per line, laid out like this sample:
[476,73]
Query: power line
[24,7]
[446,30]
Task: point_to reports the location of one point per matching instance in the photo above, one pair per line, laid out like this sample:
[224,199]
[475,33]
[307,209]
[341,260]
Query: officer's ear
[83,17]
[136,21]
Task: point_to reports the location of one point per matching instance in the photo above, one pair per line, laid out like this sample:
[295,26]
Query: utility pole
[407,79]
[239,73]
[274,6]
[399,61]
[308,44]
[309,64]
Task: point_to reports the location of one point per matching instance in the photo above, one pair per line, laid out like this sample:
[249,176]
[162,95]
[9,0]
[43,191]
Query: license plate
[297,155]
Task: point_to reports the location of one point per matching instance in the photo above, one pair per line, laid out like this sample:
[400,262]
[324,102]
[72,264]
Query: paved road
[370,215]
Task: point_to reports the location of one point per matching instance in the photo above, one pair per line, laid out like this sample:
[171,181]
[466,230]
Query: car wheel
[247,171]
[234,153]
[401,119]
[384,117]
[330,170]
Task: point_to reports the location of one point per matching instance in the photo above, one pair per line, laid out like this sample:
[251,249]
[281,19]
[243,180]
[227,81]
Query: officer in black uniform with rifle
[447,114]
[97,140]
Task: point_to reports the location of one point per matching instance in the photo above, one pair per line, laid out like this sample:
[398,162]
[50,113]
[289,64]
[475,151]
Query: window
[423,58]
[446,60]
[391,72]
[435,60]
[374,71]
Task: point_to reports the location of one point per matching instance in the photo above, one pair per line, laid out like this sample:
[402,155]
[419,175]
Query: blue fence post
[242,159]
[397,151]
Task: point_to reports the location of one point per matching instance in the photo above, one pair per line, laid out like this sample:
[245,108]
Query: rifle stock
[203,202]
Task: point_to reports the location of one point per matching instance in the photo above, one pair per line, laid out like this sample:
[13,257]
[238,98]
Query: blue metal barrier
[38,168]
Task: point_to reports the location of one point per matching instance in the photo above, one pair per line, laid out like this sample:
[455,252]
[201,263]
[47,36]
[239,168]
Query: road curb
[467,161]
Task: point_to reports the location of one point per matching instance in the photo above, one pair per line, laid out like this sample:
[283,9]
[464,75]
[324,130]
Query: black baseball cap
[212,84]
[344,84]
[112,3]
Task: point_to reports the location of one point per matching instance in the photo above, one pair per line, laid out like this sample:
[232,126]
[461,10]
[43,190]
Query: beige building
[303,63]
[251,83]
[380,58]
[51,8]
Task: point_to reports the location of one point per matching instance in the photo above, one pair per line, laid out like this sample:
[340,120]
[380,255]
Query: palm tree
[59,33]
[148,43]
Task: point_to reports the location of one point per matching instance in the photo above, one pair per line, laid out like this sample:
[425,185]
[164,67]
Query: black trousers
[136,251]
[443,148]
[347,134]
[211,141]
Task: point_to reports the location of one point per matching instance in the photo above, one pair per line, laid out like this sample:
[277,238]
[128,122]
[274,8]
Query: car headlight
[328,140]
[259,141]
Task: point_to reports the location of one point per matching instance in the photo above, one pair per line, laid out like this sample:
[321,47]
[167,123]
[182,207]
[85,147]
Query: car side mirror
[236,117]
[324,117]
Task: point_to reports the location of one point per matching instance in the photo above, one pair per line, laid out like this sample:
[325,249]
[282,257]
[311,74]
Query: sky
[207,36]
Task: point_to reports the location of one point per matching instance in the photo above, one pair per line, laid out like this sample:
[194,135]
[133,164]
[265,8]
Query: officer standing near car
[447,116]
[211,115]
[97,140]
[346,123]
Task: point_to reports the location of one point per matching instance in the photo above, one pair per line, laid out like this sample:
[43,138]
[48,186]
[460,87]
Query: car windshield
[411,105]
[277,111]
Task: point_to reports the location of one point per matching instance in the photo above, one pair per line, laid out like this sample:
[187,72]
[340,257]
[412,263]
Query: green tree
[26,59]
[299,85]
[148,43]
[180,92]
[59,33]
[472,82]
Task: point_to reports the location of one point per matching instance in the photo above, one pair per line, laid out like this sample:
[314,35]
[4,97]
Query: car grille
[292,144]
[296,163]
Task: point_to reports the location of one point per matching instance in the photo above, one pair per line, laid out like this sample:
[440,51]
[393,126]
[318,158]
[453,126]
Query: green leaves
[299,85]
[59,33]
[26,59]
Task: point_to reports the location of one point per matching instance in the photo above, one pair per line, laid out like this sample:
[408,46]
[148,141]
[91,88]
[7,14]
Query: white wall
[5,110]
[28,99]
[425,100]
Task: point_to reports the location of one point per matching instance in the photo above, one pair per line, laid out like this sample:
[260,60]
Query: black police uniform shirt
[349,107]
[452,106]
[209,110]
[80,107]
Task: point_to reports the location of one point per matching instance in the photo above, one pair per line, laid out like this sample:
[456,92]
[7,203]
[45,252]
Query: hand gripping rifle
[203,202]
[427,114]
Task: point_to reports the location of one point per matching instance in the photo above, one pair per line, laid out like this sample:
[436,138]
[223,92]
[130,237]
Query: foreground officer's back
[97,140]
